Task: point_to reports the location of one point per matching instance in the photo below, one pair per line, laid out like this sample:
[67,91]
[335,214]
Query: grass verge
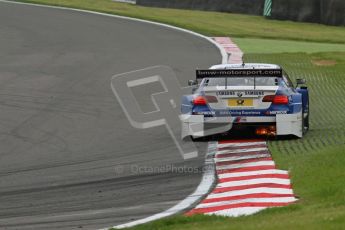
[213,23]
[260,45]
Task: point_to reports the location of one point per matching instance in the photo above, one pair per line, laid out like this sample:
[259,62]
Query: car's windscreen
[241,81]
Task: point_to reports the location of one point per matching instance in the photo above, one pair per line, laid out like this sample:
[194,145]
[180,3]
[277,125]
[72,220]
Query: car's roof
[246,66]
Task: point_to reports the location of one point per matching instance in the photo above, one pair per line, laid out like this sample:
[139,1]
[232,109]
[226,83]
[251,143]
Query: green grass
[260,45]
[213,23]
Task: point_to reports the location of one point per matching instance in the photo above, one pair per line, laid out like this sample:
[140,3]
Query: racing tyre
[305,123]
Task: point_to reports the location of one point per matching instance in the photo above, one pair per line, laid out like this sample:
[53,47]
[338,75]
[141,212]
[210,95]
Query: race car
[230,97]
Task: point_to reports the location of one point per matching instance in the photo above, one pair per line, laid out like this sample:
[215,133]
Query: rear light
[203,100]
[281,100]
[276,99]
[199,100]
[268,98]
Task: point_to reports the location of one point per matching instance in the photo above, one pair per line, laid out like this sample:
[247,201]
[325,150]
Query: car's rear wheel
[305,123]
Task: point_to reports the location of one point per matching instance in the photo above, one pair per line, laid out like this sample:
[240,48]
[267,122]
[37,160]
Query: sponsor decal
[251,113]
[276,112]
[225,93]
[240,113]
[240,102]
[216,73]
[224,113]
[254,92]
[241,94]
[205,113]
[237,113]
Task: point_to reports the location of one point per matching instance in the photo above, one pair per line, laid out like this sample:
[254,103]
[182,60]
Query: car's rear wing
[224,73]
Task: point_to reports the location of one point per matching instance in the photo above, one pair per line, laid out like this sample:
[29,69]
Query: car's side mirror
[301,81]
[192,82]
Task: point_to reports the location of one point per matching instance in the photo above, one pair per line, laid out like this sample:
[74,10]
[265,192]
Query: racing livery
[253,95]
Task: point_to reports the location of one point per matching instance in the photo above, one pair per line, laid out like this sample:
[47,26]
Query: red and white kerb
[248,181]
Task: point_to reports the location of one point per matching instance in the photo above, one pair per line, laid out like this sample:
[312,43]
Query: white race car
[256,96]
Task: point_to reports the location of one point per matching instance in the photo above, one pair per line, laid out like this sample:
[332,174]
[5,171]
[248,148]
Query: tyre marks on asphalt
[248,180]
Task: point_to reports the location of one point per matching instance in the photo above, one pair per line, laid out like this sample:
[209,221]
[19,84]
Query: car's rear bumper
[198,125]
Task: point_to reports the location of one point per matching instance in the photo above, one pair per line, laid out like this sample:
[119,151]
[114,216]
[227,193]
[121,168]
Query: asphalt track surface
[68,153]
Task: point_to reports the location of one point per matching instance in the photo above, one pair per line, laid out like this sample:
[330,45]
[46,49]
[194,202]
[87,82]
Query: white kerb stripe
[251,191]
[254,181]
[235,212]
[252,173]
[250,164]
[241,144]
